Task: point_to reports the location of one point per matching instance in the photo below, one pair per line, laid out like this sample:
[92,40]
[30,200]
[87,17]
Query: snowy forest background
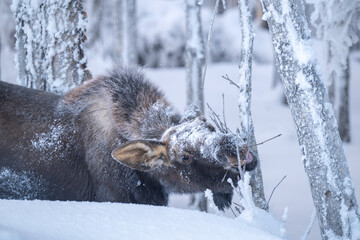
[161,43]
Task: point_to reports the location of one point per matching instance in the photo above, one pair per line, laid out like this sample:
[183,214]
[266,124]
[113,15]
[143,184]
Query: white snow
[209,196]
[84,220]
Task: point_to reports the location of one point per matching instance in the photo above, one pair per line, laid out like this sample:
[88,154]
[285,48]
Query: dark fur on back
[60,147]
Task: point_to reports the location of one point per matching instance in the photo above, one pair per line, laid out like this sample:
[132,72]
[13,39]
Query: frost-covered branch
[50,39]
[244,102]
[321,147]
[337,23]
[310,226]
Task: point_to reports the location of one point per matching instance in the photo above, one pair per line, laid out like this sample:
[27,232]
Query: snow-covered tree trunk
[341,103]
[321,147]
[246,122]
[125,32]
[194,54]
[337,23]
[195,58]
[95,9]
[49,43]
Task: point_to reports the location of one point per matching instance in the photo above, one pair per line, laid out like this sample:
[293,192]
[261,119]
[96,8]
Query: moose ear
[191,112]
[142,155]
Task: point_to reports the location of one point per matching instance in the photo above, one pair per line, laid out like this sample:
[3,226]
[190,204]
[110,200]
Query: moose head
[190,156]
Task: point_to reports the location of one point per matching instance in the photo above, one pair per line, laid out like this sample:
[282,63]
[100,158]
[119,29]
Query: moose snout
[244,156]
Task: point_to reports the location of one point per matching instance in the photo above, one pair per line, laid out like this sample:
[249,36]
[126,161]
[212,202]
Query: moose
[115,138]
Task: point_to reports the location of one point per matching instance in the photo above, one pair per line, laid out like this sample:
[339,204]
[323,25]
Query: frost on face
[198,137]
[20,185]
[194,135]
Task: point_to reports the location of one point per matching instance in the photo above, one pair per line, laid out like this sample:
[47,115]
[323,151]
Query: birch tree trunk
[195,58]
[321,147]
[49,42]
[246,122]
[125,32]
[194,54]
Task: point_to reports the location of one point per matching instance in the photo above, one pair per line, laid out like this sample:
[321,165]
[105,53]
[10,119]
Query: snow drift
[86,220]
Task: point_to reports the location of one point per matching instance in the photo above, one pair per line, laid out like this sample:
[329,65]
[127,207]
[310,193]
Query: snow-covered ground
[30,220]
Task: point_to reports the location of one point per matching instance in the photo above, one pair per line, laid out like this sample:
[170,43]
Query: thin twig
[266,140]
[238,209]
[223,97]
[274,189]
[237,204]
[226,77]
[233,211]
[225,175]
[209,40]
[216,119]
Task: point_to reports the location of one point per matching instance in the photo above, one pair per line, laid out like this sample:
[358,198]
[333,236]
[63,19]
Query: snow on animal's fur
[115,138]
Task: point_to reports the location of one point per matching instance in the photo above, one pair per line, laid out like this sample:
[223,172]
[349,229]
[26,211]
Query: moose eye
[187,159]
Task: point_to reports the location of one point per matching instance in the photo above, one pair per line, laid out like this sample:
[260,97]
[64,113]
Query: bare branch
[209,40]
[266,140]
[274,189]
[217,121]
[232,211]
[223,97]
[226,77]
[238,209]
